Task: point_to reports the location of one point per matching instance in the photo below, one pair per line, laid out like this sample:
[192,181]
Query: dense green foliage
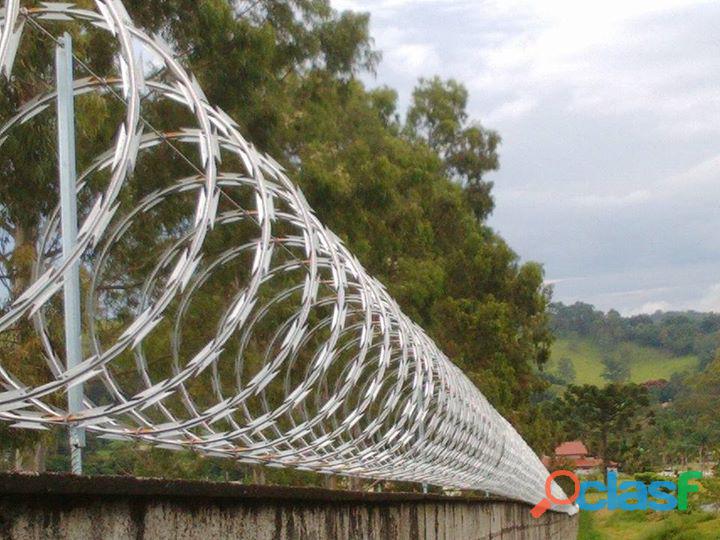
[686,428]
[608,419]
[680,333]
[596,348]
[671,426]
[408,196]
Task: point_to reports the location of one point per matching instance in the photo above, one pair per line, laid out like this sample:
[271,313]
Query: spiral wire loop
[304,360]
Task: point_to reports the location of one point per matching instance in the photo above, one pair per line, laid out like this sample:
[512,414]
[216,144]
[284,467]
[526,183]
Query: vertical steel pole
[68,207]
[422,436]
[419,399]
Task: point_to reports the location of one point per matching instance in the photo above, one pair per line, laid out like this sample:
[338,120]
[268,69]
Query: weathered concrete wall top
[52,506]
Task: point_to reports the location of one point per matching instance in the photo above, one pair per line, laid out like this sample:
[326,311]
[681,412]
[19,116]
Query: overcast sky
[610,118]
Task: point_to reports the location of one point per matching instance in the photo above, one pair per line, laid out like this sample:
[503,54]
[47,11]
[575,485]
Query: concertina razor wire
[220,315]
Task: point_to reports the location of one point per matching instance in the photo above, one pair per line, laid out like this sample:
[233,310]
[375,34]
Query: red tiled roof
[571,448]
[588,463]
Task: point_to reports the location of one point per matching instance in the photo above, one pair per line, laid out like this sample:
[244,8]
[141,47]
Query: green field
[646,363]
[638,525]
[648,525]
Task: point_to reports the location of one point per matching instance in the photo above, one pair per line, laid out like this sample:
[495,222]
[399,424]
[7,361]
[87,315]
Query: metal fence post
[68,206]
[420,408]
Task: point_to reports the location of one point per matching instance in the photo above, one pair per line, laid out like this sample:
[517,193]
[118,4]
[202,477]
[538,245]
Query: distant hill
[593,347]
[644,363]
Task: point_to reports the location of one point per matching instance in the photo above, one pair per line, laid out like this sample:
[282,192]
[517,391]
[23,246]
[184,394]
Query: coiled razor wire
[310,363]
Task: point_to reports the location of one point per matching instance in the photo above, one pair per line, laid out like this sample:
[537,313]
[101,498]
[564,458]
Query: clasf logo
[660,496]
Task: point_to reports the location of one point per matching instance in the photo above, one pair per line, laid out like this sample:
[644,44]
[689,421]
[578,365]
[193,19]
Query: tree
[604,417]
[699,400]
[579,319]
[616,368]
[566,370]
[438,116]
[677,334]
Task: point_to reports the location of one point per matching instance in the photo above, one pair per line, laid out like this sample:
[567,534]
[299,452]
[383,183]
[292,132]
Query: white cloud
[510,110]
[578,200]
[650,307]
[698,180]
[384,9]
[411,57]
[563,280]
[609,57]
[404,53]
[711,300]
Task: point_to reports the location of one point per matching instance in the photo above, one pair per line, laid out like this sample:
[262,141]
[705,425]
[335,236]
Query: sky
[610,118]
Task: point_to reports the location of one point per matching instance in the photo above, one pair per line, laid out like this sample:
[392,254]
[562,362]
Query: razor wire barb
[219,313]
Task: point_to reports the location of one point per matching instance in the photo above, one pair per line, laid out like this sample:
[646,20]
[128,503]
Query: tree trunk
[603,450]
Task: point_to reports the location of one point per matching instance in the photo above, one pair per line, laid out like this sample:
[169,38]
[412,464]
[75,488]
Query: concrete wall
[48,506]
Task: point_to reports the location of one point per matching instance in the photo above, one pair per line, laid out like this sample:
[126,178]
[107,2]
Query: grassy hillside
[646,363]
[638,525]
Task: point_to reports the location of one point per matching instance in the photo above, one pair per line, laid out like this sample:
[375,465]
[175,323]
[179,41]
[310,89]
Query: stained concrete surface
[67,507]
